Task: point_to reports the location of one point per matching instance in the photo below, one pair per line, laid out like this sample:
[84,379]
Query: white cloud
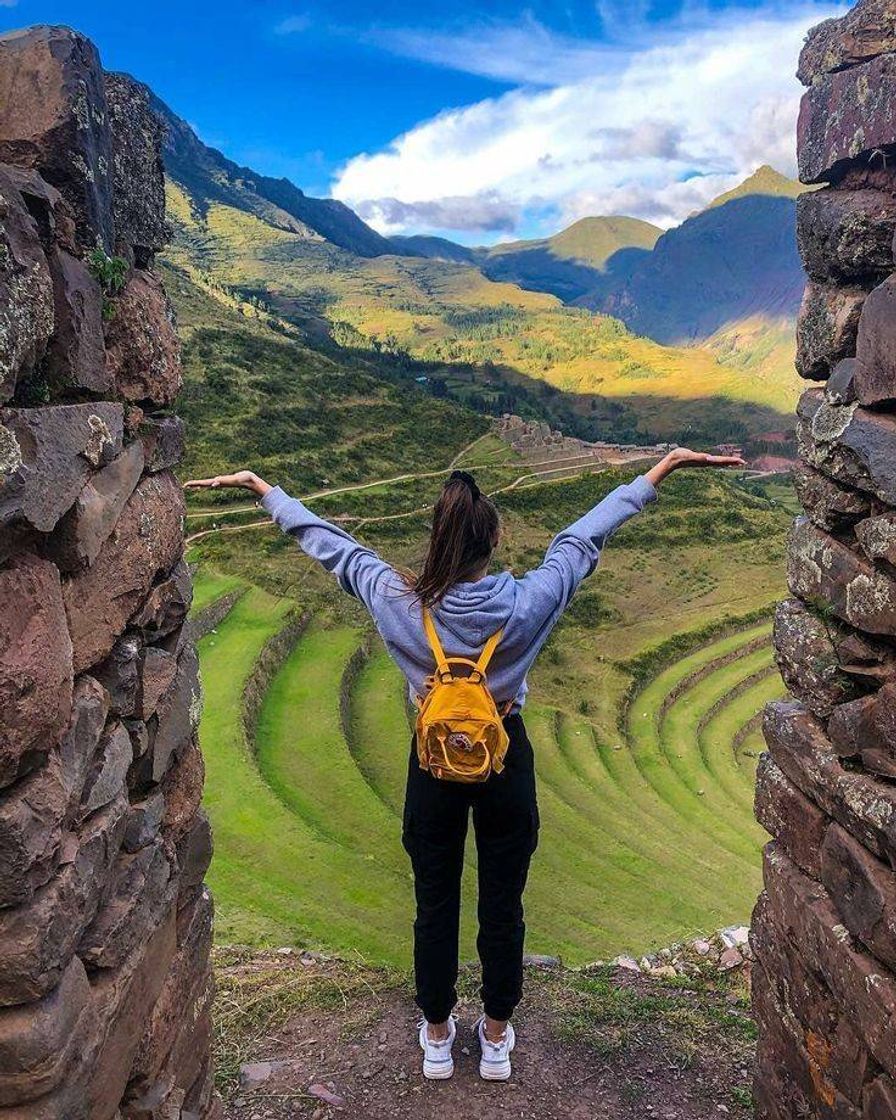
[292,25]
[651,130]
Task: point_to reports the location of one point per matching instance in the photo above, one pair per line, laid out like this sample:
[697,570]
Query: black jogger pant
[505,821]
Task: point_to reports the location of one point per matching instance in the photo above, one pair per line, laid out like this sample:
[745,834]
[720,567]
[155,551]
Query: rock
[76,356]
[144,822]
[701,946]
[61,443]
[253,1074]
[177,714]
[86,526]
[39,1041]
[806,915]
[628,963]
[840,387]
[807,658]
[38,940]
[789,816]
[194,854]
[78,745]
[730,958]
[735,937]
[875,374]
[846,237]
[864,891]
[142,347]
[35,665]
[26,290]
[877,536]
[324,1094]
[846,118]
[167,604]
[146,541]
[137,172]
[819,567]
[182,787]
[865,807]
[120,674]
[664,972]
[139,894]
[163,441]
[829,504]
[539,960]
[826,328]
[165,1049]
[866,728]
[125,997]
[853,445]
[53,118]
[867,30]
[879,1099]
[106,777]
[32,818]
[158,671]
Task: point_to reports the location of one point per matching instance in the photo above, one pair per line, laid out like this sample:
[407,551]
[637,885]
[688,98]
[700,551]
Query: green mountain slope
[208,176]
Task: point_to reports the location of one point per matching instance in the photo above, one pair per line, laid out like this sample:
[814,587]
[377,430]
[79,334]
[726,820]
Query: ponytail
[464,529]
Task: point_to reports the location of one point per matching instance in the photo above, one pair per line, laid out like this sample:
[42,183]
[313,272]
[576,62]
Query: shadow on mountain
[541,270]
[721,266]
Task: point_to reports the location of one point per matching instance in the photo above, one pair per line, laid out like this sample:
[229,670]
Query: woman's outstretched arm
[574,553]
[358,569]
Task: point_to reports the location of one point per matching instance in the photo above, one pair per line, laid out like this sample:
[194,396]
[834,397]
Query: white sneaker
[494,1065]
[437,1060]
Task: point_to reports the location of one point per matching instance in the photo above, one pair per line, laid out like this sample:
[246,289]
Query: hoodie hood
[472,612]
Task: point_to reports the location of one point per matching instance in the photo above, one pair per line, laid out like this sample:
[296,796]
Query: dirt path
[611,1046]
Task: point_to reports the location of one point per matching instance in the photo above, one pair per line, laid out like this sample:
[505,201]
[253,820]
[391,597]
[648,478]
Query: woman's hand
[244,480]
[684,457]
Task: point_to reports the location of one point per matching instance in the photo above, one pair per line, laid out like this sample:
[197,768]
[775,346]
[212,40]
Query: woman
[468,606]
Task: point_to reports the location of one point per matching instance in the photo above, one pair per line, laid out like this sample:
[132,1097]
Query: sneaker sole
[439,1071]
[494,1072]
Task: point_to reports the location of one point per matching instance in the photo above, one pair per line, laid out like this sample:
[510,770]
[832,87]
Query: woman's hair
[465,528]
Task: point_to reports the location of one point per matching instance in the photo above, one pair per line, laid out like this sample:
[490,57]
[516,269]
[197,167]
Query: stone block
[38,940]
[76,356]
[875,373]
[167,604]
[139,893]
[158,673]
[40,1041]
[806,652]
[846,237]
[829,504]
[26,290]
[146,542]
[78,745]
[867,30]
[106,778]
[35,665]
[821,568]
[144,822]
[182,787]
[177,714]
[789,816]
[120,674]
[142,347]
[879,1099]
[863,805]
[194,855]
[853,445]
[47,454]
[877,536]
[138,175]
[863,889]
[866,728]
[846,118]
[33,814]
[840,387]
[826,328]
[163,441]
[54,118]
[84,529]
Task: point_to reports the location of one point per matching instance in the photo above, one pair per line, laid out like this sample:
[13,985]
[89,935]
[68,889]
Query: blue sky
[480,121]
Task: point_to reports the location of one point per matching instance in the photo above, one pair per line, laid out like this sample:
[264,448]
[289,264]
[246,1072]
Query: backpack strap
[488,650]
[434,644]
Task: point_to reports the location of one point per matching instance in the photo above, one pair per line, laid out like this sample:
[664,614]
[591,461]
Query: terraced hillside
[643,720]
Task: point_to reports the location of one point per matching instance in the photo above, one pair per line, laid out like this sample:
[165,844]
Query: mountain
[435,248]
[208,176]
[733,261]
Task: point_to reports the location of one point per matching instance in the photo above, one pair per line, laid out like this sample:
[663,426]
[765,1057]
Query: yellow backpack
[460,734]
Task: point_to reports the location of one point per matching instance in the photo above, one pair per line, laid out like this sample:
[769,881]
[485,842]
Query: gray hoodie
[527,608]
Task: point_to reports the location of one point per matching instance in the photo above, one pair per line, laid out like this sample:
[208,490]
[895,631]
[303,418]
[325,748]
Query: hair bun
[467,480]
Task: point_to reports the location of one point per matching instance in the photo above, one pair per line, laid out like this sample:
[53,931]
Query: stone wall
[105,925]
[824,929]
